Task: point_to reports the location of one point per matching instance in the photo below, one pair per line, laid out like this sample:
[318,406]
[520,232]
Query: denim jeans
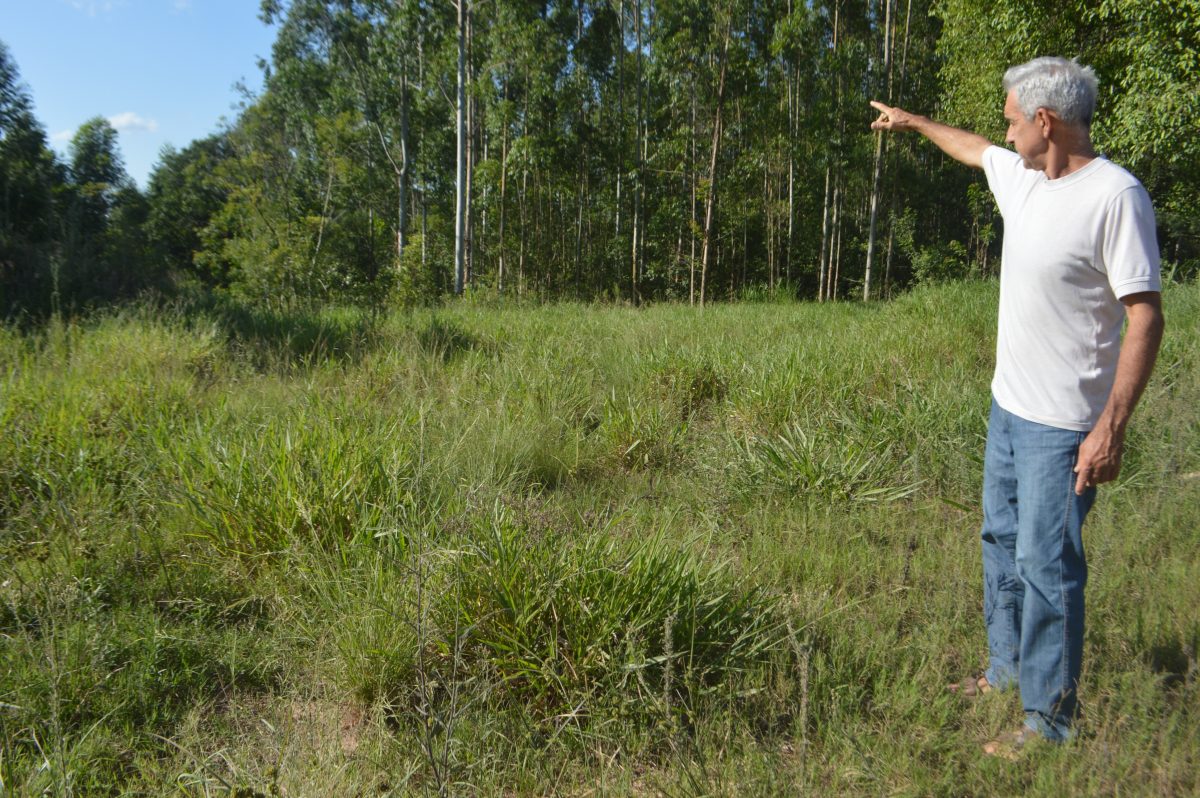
[1034,569]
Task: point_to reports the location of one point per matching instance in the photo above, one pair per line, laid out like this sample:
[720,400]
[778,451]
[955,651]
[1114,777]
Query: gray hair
[1063,86]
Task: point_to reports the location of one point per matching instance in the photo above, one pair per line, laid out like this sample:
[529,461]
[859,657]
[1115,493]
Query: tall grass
[504,550]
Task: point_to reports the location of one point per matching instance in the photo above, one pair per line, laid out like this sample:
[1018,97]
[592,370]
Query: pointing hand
[891,118]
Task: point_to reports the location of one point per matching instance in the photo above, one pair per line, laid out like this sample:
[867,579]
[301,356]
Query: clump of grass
[560,632]
[824,470]
[692,386]
[641,434]
[586,627]
[328,477]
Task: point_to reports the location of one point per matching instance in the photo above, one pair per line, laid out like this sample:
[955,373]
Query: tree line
[632,150]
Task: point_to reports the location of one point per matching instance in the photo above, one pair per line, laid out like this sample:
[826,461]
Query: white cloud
[183,5]
[122,123]
[132,122]
[94,7]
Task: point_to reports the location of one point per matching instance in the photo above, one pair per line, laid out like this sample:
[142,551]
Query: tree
[98,184]
[30,178]
[1152,122]
[1145,54]
[185,192]
[653,149]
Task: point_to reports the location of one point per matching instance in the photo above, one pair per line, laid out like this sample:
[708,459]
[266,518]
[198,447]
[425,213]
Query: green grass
[567,549]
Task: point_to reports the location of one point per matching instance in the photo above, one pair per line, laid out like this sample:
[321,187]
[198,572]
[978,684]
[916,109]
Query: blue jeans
[1034,569]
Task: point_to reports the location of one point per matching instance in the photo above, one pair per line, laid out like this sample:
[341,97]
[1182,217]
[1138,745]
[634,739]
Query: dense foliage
[631,149]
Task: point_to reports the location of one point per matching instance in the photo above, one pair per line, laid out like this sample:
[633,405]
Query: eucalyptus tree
[100,193]
[185,192]
[1145,54]
[462,9]
[97,174]
[648,149]
[883,88]
[796,47]
[323,158]
[30,177]
[378,46]
[1152,117]
[700,39]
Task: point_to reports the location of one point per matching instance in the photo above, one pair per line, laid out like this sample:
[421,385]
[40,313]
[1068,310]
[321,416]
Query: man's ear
[1045,121]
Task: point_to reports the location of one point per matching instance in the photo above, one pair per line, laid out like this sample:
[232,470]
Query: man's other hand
[1100,453]
[1099,459]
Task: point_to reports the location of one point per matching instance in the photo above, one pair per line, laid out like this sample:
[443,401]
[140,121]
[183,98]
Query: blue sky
[162,71]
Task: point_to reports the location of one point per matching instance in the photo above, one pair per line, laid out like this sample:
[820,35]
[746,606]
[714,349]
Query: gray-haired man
[1080,258]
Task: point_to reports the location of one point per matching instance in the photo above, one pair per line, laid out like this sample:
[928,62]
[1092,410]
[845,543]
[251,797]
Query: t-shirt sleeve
[1129,250]
[1004,172]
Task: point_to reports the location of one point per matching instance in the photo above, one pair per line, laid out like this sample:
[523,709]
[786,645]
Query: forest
[402,151]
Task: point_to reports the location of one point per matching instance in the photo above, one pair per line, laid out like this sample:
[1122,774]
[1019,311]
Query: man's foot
[1010,744]
[971,687]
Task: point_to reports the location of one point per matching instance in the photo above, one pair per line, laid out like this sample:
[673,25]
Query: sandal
[971,687]
[1009,745]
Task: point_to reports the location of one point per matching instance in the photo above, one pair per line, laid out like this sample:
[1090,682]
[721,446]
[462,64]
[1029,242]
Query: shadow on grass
[298,337]
[447,341]
[1172,657]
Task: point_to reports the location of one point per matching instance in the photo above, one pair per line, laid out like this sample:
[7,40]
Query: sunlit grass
[498,550]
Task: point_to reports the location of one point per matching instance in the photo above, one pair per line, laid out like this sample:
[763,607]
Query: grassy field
[557,550]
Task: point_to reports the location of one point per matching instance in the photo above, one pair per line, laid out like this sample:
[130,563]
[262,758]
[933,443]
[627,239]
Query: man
[1080,257]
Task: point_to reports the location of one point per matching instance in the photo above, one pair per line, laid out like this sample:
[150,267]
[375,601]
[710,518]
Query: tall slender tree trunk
[472,156]
[710,200]
[887,269]
[580,198]
[620,122]
[836,259]
[768,203]
[834,233]
[899,93]
[460,226]
[745,251]
[523,203]
[523,198]
[877,168]
[636,220]
[581,180]
[793,114]
[692,198]
[823,262]
[402,174]
[644,20]
[503,183]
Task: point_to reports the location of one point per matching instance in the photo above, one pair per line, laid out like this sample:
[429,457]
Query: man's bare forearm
[961,145]
[1139,351]
[1100,453]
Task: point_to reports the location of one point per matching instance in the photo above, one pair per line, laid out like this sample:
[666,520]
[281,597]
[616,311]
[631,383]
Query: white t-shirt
[1072,247]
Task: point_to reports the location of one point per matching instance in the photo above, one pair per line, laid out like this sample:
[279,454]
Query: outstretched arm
[961,145]
[1100,453]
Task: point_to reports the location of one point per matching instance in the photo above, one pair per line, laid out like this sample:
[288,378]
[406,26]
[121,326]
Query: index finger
[878,106]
